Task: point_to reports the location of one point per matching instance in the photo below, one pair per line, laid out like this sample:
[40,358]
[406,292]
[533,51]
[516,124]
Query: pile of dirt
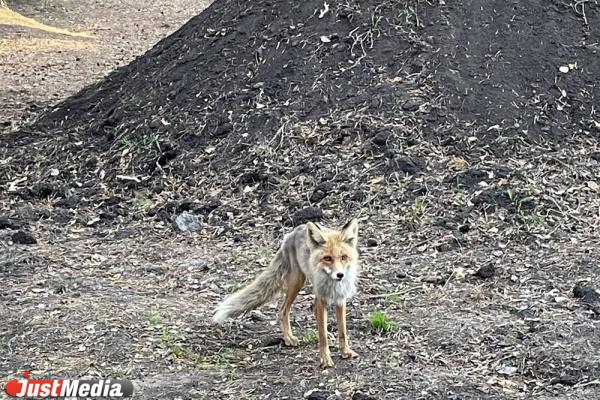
[281,106]
[521,69]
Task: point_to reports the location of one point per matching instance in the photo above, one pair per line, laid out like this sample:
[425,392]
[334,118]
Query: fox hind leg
[295,284]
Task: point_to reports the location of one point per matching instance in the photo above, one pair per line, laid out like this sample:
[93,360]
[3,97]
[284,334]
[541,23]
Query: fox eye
[344,258]
[327,259]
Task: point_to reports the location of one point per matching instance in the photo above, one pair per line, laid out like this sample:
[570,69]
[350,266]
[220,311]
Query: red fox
[328,258]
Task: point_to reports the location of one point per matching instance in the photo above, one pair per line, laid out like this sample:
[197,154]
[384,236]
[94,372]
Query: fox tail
[263,289]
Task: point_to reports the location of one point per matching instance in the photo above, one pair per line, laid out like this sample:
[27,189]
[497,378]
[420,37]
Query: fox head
[333,251]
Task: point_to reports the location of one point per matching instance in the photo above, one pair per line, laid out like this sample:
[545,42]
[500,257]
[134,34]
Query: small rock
[585,293]
[371,242]
[486,271]
[187,222]
[21,237]
[561,299]
[507,370]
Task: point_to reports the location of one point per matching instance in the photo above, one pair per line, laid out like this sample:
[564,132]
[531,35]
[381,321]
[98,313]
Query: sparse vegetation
[238,285]
[419,207]
[154,317]
[167,336]
[177,352]
[381,323]
[394,298]
[309,337]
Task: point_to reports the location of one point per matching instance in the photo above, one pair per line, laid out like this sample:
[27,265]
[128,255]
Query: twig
[403,292]
[582,4]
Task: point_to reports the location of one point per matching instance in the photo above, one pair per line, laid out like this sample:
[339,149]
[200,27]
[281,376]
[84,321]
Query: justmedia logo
[42,388]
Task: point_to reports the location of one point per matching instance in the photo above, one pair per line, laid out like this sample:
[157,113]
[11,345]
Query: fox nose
[340,275]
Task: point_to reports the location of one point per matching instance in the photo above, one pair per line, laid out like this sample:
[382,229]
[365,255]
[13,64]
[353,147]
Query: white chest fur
[333,291]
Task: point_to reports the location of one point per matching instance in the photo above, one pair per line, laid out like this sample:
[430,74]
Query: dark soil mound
[283,105]
[500,65]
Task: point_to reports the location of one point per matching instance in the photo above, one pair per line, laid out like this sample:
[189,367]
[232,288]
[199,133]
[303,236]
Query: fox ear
[314,237]
[350,232]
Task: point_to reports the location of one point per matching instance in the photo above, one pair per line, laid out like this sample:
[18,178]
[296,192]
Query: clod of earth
[408,165]
[362,396]
[22,237]
[585,293]
[318,395]
[486,272]
[7,223]
[372,242]
[68,202]
[307,214]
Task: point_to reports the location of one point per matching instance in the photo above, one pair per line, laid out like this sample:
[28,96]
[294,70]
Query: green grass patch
[154,317]
[309,337]
[381,323]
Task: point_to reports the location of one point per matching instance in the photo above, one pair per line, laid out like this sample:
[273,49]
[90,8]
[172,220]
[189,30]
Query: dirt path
[39,68]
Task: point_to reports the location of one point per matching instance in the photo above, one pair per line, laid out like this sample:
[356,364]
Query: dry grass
[10,17]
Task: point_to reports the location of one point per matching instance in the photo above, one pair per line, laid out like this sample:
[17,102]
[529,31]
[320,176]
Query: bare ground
[134,302]
[38,68]
[131,298]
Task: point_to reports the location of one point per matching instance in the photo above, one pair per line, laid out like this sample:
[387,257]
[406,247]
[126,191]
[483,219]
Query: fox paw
[325,360]
[291,340]
[348,353]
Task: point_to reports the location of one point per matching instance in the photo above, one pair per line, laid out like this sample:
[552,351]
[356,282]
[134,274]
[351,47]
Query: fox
[325,257]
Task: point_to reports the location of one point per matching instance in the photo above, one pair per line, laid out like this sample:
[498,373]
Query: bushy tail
[263,289]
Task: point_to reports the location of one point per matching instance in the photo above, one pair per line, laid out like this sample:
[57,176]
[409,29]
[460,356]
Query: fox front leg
[345,350]
[321,317]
